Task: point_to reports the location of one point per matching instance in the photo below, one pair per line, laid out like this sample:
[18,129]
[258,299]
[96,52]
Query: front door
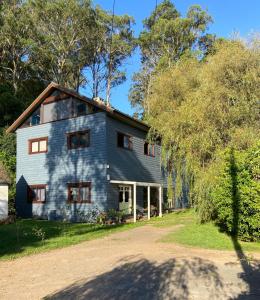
[125,199]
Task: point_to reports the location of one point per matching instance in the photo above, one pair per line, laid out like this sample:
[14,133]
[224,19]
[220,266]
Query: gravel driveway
[131,265]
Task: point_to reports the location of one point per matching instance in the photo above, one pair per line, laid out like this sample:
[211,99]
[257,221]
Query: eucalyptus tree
[15,32]
[112,42]
[62,30]
[72,44]
[166,37]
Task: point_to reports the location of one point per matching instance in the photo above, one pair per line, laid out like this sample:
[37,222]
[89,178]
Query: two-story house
[77,154]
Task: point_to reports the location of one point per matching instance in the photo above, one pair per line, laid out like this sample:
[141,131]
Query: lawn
[27,237]
[34,236]
[198,235]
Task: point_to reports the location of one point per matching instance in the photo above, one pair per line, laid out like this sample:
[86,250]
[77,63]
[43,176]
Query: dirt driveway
[131,265]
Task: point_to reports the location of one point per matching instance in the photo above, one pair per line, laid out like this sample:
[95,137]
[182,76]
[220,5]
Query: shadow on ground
[143,279]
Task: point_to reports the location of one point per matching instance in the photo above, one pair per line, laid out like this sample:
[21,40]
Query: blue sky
[229,16]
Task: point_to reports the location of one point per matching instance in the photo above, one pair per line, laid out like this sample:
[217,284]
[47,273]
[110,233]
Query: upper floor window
[124,141]
[37,193]
[38,145]
[81,109]
[79,192]
[149,149]
[79,139]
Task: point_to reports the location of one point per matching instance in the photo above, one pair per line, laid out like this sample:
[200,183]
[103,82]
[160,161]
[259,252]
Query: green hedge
[236,195]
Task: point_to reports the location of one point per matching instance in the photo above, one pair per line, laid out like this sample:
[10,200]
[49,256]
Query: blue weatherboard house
[76,155]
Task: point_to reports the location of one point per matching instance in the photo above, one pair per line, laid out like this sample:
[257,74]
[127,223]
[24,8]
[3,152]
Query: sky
[230,16]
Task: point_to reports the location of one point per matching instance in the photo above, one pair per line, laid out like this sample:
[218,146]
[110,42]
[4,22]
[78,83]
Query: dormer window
[81,109]
[35,118]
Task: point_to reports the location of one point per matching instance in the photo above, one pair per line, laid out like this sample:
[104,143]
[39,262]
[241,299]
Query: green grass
[198,235]
[34,236]
[27,237]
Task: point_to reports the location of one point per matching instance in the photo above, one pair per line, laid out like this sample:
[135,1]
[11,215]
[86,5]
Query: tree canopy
[199,108]
[69,42]
[166,37]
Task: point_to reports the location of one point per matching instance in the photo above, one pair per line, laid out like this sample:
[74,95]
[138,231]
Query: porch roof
[137,183]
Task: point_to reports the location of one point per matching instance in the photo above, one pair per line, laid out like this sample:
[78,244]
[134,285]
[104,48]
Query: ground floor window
[37,193]
[79,192]
[125,198]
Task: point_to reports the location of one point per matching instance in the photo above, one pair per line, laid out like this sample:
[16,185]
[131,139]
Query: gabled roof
[54,86]
[4,178]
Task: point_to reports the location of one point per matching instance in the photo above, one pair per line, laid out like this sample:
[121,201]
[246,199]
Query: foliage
[68,42]
[8,159]
[200,107]
[166,37]
[110,46]
[236,194]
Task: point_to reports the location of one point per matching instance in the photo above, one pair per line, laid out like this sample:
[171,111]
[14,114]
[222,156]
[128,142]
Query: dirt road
[131,265]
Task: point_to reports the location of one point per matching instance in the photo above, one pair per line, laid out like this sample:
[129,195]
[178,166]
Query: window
[78,139]
[81,109]
[37,193]
[124,194]
[39,145]
[35,118]
[124,141]
[149,149]
[79,192]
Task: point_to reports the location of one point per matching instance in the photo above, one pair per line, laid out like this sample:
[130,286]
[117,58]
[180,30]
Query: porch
[133,195]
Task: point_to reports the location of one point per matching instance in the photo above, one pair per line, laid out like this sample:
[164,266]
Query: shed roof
[114,113]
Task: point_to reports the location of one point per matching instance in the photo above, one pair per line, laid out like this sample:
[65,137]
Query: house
[76,155]
[4,184]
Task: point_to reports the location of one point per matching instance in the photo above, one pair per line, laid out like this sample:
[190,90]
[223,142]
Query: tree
[110,47]
[15,33]
[165,39]
[61,37]
[201,107]
[68,42]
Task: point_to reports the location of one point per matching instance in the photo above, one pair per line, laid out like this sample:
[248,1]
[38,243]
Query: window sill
[41,152]
[128,149]
[149,155]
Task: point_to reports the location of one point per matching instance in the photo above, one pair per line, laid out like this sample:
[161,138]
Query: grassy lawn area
[199,235]
[35,236]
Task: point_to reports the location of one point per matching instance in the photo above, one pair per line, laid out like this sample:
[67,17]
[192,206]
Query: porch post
[148,202]
[134,204]
[160,201]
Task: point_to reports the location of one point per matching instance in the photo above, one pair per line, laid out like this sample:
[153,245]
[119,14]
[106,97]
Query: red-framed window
[78,139]
[149,149]
[38,145]
[124,141]
[79,192]
[37,193]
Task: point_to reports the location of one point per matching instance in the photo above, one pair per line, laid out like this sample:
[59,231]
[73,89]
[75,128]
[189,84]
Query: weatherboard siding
[60,166]
[130,165]
[99,163]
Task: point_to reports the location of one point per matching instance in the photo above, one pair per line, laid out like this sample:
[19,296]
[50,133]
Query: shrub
[236,194]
